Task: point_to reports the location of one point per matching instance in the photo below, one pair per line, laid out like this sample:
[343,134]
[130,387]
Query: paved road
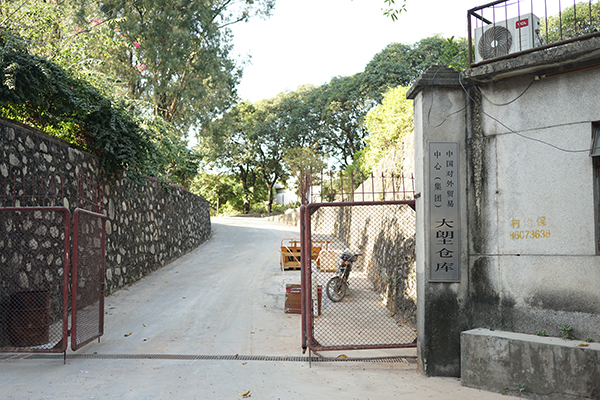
[223,299]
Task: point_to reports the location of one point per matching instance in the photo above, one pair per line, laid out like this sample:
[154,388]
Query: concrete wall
[528,231]
[146,229]
[442,308]
[530,366]
[289,218]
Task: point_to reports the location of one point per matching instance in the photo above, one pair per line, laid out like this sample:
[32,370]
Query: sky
[311,41]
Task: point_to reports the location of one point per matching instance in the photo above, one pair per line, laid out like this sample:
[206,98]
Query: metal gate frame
[92,331]
[307,209]
[88,195]
[61,344]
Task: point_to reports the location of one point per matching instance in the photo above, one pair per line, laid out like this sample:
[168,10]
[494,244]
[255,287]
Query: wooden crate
[290,257]
[328,261]
[291,253]
[293,293]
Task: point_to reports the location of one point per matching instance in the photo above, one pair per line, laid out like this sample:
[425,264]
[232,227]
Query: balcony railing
[508,28]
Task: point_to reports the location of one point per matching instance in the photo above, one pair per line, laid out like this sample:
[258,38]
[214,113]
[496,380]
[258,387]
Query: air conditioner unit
[506,37]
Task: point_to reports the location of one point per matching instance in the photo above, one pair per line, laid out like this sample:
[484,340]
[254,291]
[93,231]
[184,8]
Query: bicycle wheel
[336,289]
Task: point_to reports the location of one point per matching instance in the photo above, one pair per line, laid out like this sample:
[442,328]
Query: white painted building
[528,198]
[285,196]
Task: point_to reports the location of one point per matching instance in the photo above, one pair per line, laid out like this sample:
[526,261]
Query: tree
[580,19]
[392,11]
[386,124]
[232,147]
[218,188]
[270,144]
[182,49]
[342,109]
[401,64]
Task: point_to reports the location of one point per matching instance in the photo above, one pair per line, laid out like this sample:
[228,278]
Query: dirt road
[224,299]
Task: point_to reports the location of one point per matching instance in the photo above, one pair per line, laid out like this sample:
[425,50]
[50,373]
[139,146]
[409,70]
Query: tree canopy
[315,126]
[578,20]
[125,81]
[401,64]
[387,124]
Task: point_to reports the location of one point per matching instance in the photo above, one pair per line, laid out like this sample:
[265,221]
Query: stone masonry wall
[145,229]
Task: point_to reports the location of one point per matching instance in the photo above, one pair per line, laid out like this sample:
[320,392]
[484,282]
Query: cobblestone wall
[146,229]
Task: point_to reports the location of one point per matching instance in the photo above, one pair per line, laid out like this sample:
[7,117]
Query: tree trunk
[245,191]
[270,197]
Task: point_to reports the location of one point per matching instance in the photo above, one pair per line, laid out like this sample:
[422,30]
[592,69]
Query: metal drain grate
[187,357]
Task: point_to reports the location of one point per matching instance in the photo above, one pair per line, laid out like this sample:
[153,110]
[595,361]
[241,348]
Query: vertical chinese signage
[444,236]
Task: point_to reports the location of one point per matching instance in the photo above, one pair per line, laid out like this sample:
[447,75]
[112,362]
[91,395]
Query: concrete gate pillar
[440,116]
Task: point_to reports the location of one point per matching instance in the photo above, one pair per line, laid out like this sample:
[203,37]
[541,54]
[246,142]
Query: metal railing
[508,28]
[330,187]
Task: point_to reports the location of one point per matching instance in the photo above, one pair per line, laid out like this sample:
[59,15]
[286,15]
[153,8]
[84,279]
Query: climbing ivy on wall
[44,95]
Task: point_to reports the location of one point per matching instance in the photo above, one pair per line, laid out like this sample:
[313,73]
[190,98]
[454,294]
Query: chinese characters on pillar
[443,193]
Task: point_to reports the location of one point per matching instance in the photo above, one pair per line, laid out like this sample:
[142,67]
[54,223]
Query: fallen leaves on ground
[128,334]
[245,394]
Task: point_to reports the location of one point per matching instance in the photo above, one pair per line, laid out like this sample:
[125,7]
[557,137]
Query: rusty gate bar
[310,316]
[393,193]
[303,320]
[87,293]
[34,290]
[19,191]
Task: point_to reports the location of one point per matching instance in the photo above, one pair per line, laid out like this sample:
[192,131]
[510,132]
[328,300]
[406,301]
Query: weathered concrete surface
[553,60]
[224,298]
[289,218]
[442,308]
[530,366]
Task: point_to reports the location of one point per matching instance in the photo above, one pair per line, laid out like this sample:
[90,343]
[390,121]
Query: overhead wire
[431,106]
[512,130]
[13,13]
[513,100]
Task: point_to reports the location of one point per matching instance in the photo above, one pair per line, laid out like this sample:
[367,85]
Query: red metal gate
[34,259]
[35,301]
[87,315]
[374,305]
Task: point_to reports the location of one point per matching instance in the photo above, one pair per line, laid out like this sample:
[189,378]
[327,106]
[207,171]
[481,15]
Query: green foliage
[233,145]
[566,331]
[541,333]
[401,64]
[456,54]
[299,159]
[44,95]
[175,54]
[392,11]
[342,109]
[173,161]
[580,19]
[386,124]
[219,189]
[54,31]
